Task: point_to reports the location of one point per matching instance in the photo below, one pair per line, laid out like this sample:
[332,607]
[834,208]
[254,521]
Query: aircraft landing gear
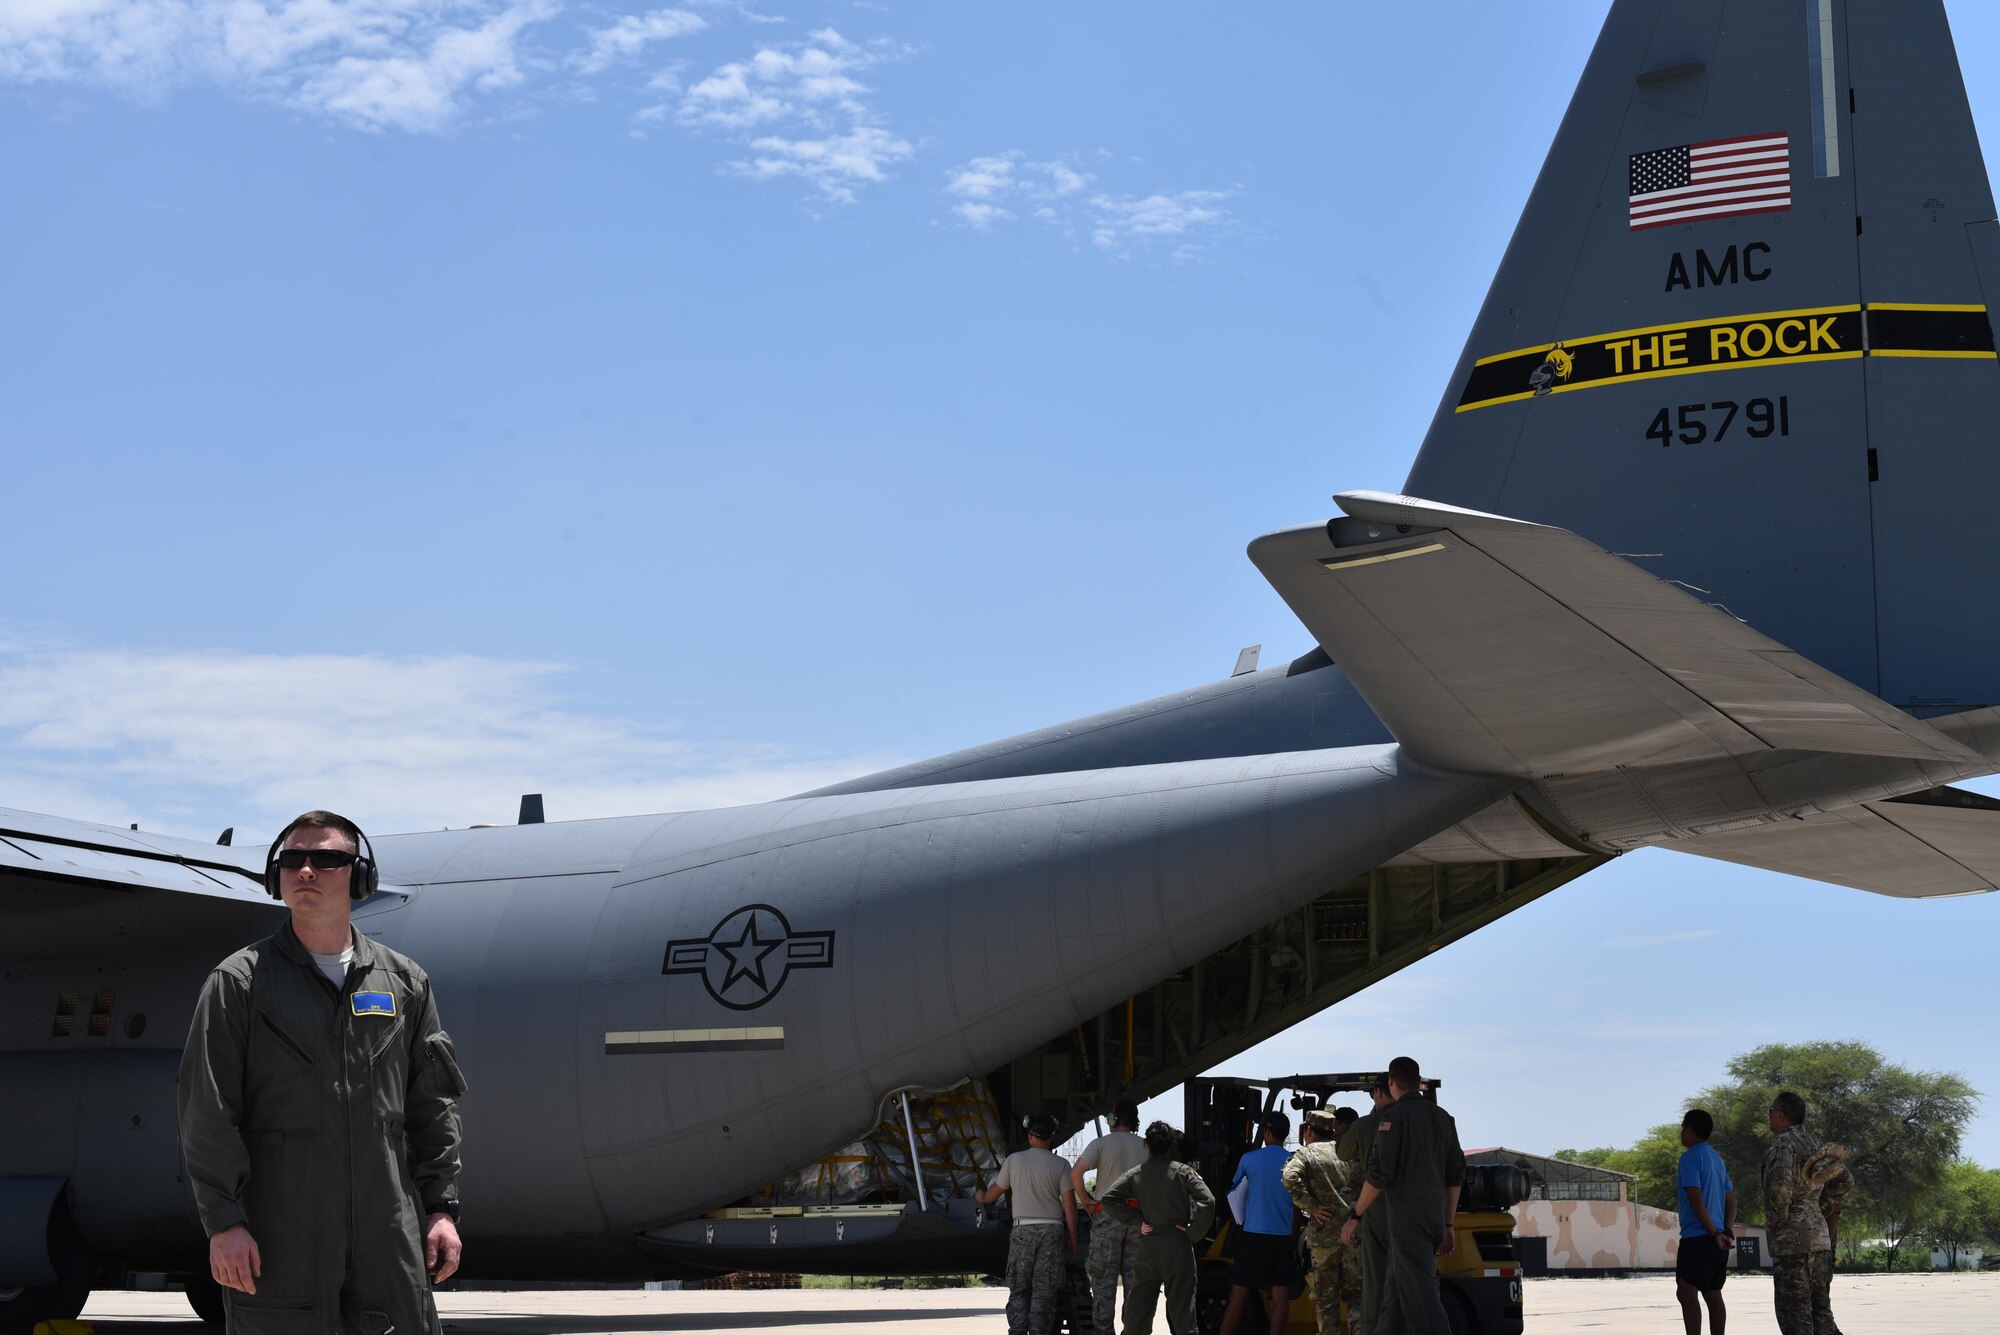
[22,1308]
[204,1295]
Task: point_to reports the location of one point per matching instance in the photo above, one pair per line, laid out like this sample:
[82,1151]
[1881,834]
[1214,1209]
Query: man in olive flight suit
[1172,1208]
[1415,1170]
[318,1113]
[1372,1237]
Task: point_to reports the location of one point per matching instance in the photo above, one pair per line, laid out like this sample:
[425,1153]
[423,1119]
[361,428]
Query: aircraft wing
[1496,646]
[44,852]
[1942,842]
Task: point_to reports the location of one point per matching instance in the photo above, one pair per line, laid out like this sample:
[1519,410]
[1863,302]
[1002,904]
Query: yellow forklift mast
[1480,1280]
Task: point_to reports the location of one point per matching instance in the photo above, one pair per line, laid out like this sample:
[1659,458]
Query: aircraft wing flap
[45,849]
[1912,850]
[1497,646]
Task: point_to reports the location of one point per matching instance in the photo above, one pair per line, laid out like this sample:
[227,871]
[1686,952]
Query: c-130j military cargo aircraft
[1691,557]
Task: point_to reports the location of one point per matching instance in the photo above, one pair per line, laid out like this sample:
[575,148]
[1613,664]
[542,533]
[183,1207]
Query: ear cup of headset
[366,876]
[271,862]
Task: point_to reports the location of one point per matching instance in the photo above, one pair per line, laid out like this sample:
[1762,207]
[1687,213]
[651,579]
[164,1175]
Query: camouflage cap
[1321,1121]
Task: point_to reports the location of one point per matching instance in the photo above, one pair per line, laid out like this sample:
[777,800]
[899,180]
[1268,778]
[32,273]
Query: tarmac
[1944,1304]
[1957,1304]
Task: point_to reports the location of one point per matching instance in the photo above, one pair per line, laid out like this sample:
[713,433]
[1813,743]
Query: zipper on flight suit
[342,1032]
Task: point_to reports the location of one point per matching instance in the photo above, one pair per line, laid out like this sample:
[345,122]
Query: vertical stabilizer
[1741,335]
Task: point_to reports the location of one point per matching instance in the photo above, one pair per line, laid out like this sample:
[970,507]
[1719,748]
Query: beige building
[1590,1221]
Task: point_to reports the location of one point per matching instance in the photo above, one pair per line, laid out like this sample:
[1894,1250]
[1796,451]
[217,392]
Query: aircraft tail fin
[1742,335]
[1945,841]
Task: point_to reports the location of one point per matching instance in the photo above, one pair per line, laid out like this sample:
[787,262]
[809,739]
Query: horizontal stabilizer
[1495,646]
[1942,842]
[47,850]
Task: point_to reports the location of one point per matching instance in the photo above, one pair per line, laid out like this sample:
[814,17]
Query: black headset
[360,885]
[1040,1124]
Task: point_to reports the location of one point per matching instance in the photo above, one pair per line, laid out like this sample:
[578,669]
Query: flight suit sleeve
[1117,1198]
[1204,1202]
[430,1107]
[1383,1167]
[210,1102]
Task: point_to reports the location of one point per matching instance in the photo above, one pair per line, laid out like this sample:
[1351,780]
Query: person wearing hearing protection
[318,1113]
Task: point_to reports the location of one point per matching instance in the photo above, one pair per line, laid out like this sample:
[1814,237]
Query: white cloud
[187,741]
[835,164]
[634,33]
[401,64]
[980,215]
[984,178]
[1119,223]
[801,110]
[422,89]
[1011,175]
[993,189]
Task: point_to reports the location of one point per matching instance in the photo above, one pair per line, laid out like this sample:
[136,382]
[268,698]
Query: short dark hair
[1276,1123]
[1699,1122]
[1792,1106]
[1126,1114]
[1404,1071]
[324,820]
[1345,1114]
[1162,1141]
[1380,1085]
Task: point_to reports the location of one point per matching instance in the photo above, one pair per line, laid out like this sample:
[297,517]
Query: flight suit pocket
[284,1041]
[281,1202]
[442,1061]
[271,1314]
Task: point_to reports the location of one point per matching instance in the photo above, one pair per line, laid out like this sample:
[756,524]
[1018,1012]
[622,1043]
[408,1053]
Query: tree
[1964,1212]
[1904,1127]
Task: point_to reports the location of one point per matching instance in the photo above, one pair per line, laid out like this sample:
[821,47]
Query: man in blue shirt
[1708,1225]
[1266,1256]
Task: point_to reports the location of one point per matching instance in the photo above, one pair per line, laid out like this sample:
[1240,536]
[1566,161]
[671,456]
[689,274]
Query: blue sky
[411,405]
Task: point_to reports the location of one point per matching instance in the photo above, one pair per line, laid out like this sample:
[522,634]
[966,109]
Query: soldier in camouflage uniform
[1805,1180]
[1044,1229]
[1317,1180]
[1114,1244]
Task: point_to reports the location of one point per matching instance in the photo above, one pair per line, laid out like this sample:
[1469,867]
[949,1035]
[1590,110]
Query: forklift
[1480,1281]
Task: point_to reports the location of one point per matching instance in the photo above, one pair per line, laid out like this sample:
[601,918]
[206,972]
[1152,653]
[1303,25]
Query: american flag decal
[1750,174]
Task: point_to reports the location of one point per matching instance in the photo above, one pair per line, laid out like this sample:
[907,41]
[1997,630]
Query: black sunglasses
[322,859]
